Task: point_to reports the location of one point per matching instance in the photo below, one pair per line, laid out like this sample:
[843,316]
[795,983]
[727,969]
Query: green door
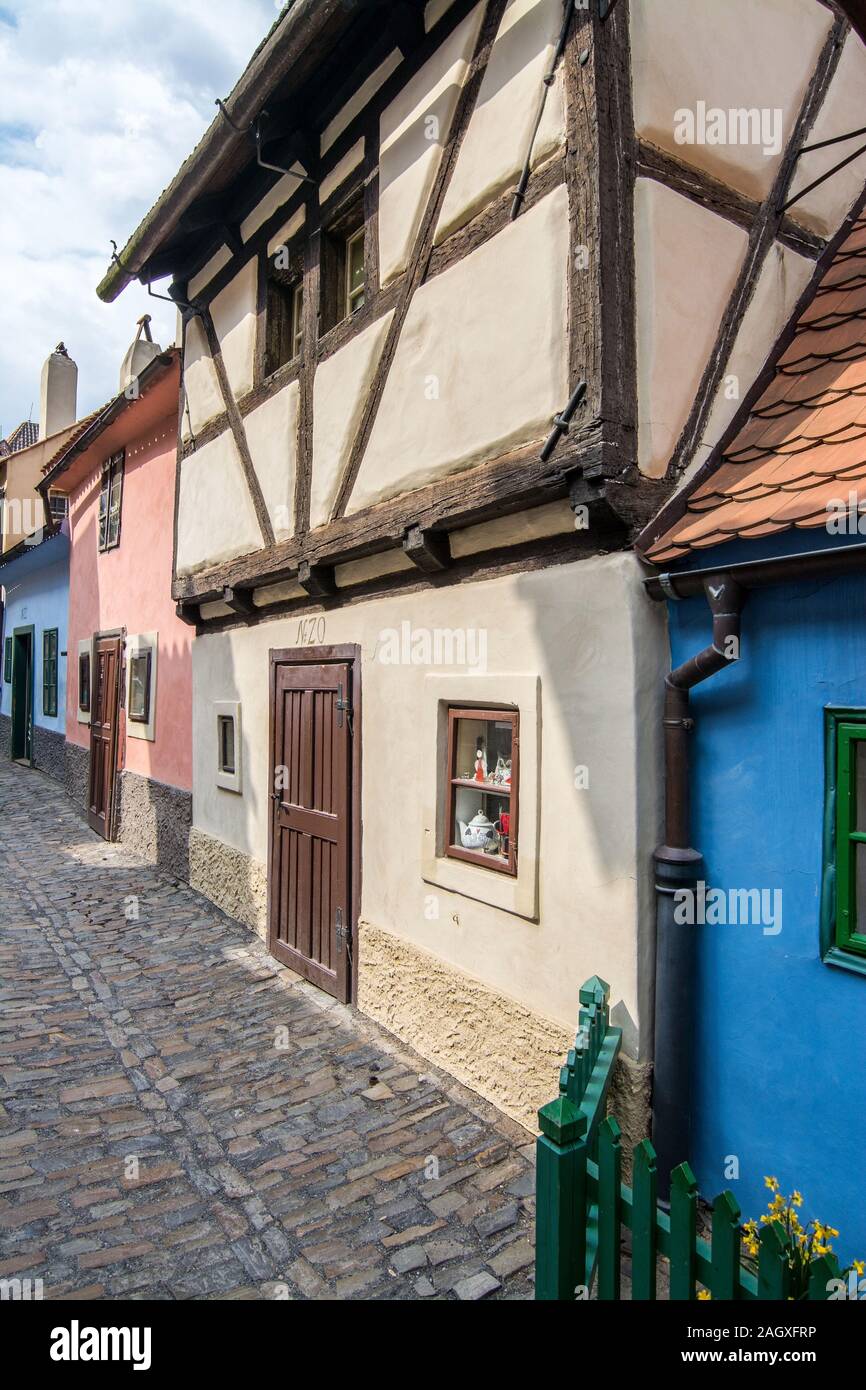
[22,693]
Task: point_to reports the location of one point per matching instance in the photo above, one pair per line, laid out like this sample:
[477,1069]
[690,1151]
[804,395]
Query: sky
[99,105]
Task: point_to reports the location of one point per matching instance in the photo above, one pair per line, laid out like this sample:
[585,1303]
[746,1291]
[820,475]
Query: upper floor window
[58,505]
[284,324]
[482,787]
[110,497]
[355,274]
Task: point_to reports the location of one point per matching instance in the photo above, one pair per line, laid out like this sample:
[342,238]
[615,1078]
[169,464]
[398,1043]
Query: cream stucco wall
[272,436]
[735,54]
[494,147]
[412,132]
[216,520]
[340,389]
[596,648]
[686,261]
[842,111]
[234,318]
[482,362]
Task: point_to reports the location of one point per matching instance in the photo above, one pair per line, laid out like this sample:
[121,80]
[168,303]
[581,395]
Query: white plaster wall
[207,272]
[408,156]
[203,397]
[278,194]
[341,170]
[494,147]
[272,436]
[216,520]
[489,336]
[783,279]
[288,230]
[842,110]
[234,317]
[686,263]
[598,649]
[736,53]
[340,389]
[360,99]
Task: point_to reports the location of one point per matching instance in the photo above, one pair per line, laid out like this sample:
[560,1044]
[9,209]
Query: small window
[850,924]
[58,505]
[284,323]
[49,671]
[110,498]
[355,274]
[482,788]
[226,727]
[84,681]
[228,744]
[7,660]
[139,686]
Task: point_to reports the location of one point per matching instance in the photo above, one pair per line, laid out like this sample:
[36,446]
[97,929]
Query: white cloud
[99,105]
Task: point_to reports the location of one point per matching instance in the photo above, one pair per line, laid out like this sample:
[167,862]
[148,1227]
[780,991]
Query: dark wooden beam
[429,550]
[317,580]
[187,612]
[240,601]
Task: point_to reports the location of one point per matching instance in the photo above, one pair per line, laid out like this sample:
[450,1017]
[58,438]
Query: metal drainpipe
[678,866]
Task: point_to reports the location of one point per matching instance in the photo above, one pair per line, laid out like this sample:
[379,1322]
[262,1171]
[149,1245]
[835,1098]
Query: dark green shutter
[850,915]
[7,661]
[49,671]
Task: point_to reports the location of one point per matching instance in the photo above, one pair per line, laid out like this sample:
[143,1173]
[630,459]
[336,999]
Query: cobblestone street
[180,1117]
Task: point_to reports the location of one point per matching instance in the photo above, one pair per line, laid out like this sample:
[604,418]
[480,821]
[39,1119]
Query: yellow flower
[859,1266]
[772,1184]
[797,1198]
[704,1294]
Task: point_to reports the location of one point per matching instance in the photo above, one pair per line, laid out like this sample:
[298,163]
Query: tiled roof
[22,437]
[803,446]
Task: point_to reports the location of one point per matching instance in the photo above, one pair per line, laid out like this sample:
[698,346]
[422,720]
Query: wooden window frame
[356,238]
[144,654]
[50,671]
[347,226]
[58,497]
[111,488]
[84,682]
[283,329]
[451,782]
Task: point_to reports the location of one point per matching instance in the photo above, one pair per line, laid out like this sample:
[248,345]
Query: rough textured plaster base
[76,775]
[630,1100]
[155,820]
[49,752]
[494,1045]
[5,735]
[231,879]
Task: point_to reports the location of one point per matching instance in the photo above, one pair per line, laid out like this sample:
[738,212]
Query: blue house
[761,953]
[35,580]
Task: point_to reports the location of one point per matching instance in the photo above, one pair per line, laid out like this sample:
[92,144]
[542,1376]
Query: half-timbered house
[457,282]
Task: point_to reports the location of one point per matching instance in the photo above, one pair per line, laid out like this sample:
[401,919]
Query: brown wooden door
[311,823]
[103,735]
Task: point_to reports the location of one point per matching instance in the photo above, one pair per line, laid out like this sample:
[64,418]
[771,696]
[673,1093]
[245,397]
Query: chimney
[58,393]
[141,351]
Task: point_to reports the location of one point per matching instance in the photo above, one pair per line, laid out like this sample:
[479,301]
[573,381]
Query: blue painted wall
[781,1037]
[36,588]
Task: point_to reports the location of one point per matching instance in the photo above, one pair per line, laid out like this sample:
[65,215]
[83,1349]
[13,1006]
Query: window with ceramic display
[482,787]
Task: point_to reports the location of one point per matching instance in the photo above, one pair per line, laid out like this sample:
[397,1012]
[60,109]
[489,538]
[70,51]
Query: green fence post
[726,1247]
[684,1220]
[643,1222]
[560,1212]
[774,1269]
[609,1179]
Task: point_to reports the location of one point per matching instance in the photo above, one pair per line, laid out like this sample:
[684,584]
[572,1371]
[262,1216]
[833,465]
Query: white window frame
[228,781]
[140,642]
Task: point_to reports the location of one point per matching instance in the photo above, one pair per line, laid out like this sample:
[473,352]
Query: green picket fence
[582,1204]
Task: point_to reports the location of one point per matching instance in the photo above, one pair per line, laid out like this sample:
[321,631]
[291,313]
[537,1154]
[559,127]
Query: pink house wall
[130,586]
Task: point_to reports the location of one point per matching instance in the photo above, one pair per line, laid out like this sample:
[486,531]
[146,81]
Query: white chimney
[58,393]
[141,351]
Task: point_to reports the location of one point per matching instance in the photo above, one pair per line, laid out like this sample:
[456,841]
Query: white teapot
[480,833]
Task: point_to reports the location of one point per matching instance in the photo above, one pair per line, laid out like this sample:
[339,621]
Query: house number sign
[311,632]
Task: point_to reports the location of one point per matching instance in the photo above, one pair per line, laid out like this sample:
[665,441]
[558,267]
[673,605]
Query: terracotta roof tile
[803,446]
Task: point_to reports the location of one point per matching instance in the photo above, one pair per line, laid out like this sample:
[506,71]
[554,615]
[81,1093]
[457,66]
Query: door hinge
[343,931]
[341,706]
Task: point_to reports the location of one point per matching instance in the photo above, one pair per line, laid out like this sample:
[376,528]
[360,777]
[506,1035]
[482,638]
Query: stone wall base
[234,881]
[155,820]
[5,736]
[49,752]
[76,775]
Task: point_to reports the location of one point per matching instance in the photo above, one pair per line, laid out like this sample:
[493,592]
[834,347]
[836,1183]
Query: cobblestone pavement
[180,1117]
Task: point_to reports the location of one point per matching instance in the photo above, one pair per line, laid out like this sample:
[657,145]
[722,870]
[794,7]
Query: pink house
[129,678]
